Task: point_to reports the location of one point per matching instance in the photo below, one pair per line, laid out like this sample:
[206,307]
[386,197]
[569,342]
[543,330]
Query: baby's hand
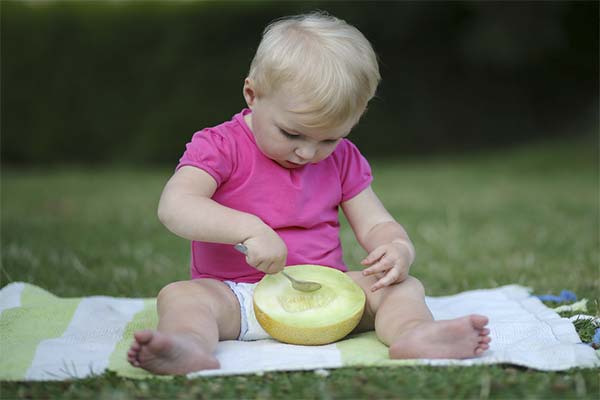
[390,263]
[267,252]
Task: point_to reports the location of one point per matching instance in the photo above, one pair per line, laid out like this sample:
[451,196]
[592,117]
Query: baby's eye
[330,141]
[289,135]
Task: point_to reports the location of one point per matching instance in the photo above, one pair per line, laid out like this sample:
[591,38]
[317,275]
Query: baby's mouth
[292,164]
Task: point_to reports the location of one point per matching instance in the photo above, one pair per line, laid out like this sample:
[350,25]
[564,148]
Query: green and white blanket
[45,337]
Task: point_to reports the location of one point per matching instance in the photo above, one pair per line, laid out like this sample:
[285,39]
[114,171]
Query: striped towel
[45,337]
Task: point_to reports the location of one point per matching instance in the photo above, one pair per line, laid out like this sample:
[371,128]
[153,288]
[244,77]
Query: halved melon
[309,318]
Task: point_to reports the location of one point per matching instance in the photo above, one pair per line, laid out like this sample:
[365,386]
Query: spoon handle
[241,248]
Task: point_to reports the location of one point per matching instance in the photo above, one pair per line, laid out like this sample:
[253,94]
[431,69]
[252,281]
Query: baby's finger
[381,266]
[276,266]
[387,280]
[374,255]
[252,262]
[272,268]
[264,266]
[252,259]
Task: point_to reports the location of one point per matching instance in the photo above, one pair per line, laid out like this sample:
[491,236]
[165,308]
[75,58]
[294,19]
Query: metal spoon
[303,286]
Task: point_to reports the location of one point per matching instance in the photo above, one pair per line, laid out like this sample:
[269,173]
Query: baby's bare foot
[456,338]
[162,353]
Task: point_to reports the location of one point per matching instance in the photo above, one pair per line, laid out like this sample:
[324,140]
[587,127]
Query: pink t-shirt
[300,204]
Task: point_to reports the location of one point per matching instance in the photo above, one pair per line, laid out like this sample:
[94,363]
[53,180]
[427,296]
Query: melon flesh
[309,318]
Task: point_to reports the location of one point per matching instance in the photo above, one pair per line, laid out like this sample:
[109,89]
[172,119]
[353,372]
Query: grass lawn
[527,215]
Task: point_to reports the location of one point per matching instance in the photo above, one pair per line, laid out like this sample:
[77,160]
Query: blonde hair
[323,60]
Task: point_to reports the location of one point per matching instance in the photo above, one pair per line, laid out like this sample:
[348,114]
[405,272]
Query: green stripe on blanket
[23,328]
[145,319]
[366,350]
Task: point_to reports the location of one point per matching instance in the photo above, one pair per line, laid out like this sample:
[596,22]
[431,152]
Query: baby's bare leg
[401,319]
[193,317]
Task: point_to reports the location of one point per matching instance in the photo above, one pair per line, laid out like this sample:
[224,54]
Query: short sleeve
[355,171]
[210,151]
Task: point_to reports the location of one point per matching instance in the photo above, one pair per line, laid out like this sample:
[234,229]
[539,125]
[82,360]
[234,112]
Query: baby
[273,179]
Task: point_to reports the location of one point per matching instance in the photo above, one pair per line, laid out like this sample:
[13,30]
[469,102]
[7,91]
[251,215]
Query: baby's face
[280,135]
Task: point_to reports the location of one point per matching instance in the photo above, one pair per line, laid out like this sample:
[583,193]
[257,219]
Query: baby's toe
[143,337]
[135,346]
[478,321]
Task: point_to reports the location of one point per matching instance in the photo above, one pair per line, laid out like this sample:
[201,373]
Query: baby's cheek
[276,152]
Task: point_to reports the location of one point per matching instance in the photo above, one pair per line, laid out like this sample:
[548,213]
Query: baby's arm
[186,209]
[390,250]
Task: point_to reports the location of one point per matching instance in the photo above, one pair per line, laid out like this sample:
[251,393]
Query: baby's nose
[306,152]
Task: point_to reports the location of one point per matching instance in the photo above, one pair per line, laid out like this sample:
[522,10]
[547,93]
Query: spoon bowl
[303,286]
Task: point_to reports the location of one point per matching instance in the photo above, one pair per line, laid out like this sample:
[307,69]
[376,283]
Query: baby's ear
[249,93]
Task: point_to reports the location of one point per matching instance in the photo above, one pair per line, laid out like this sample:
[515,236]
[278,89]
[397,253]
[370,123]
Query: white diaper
[250,329]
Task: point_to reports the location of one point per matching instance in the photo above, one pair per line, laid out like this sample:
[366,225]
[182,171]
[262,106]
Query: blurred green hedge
[92,82]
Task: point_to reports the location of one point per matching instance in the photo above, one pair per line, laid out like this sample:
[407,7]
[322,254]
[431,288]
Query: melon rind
[344,299]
